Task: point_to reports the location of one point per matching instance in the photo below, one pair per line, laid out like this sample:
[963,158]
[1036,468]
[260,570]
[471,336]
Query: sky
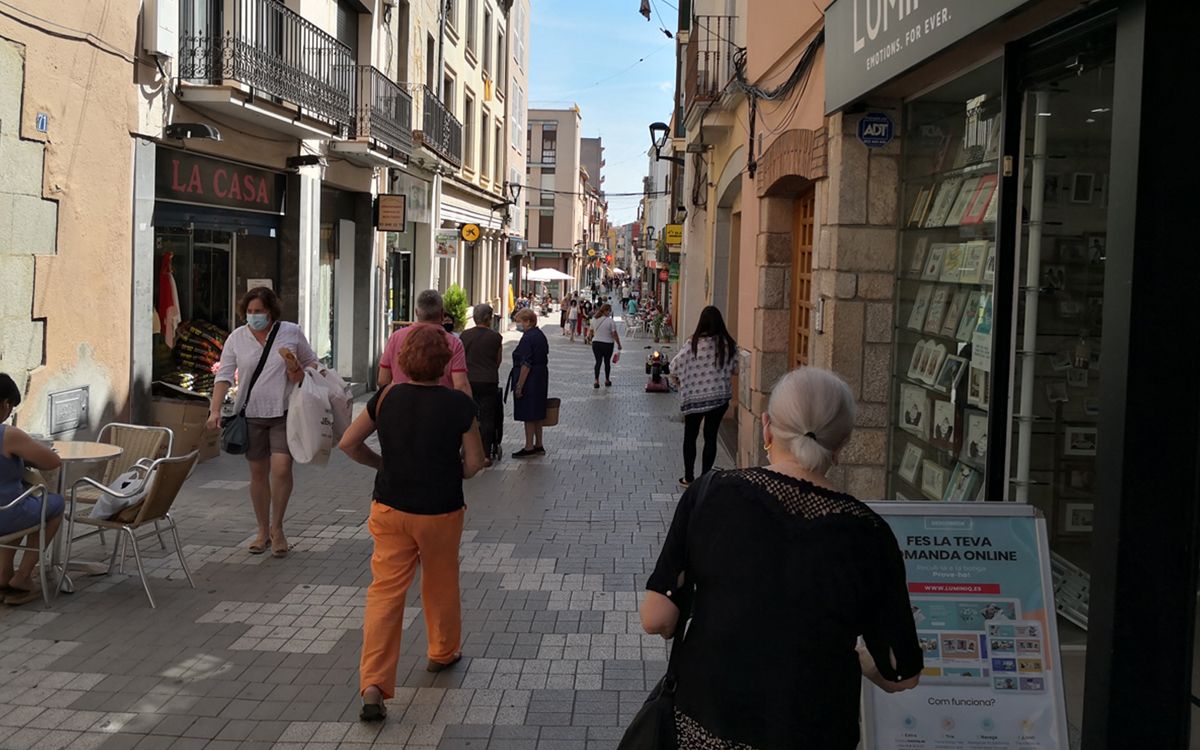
[586,52]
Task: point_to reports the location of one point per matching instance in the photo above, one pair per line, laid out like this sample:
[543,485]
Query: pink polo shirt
[458,355]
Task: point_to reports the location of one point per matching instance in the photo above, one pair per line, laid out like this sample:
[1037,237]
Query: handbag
[235,431]
[653,728]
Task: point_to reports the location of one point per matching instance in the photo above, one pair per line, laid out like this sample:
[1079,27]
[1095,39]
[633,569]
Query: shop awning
[183,216]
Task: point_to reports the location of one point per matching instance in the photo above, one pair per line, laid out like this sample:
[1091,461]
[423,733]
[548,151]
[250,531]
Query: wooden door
[802,268]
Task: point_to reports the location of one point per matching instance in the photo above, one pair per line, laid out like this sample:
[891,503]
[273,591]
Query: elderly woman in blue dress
[530,382]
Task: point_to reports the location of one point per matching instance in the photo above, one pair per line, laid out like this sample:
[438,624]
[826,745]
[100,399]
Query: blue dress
[534,351]
[28,512]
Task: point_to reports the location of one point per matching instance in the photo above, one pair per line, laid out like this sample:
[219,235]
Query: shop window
[1060,276]
[802,267]
[945,294]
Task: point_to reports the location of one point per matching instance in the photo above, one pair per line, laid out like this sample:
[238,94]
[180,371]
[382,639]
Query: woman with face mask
[266,409]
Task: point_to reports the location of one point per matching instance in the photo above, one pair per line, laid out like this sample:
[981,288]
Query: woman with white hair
[794,590]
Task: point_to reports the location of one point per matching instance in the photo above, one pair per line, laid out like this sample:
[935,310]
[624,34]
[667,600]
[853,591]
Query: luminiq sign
[182,177]
[869,42]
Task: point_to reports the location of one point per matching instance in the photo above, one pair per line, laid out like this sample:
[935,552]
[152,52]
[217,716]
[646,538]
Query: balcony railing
[274,52]
[442,133]
[710,58]
[383,110]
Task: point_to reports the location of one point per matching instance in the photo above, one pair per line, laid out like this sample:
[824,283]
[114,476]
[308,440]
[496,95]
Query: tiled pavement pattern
[264,653]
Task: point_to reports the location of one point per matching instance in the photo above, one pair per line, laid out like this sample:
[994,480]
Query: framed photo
[1082,184]
[970,316]
[1051,185]
[973,262]
[1077,517]
[951,371]
[916,261]
[1071,251]
[910,463]
[937,309]
[947,193]
[978,387]
[915,364]
[933,479]
[989,266]
[914,410]
[952,264]
[916,318]
[1077,478]
[1077,378]
[1056,392]
[1097,247]
[945,426]
[1054,278]
[933,262]
[978,207]
[963,201]
[932,364]
[920,207]
[962,485]
[1079,440]
[975,438]
[953,316]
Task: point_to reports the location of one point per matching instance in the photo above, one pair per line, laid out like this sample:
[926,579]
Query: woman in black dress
[797,590]
[530,382]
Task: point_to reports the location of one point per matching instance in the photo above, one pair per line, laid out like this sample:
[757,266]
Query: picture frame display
[975,438]
[944,429]
[914,410]
[965,193]
[962,484]
[938,303]
[1082,184]
[958,303]
[970,316]
[916,319]
[931,364]
[952,264]
[910,463]
[933,479]
[1079,440]
[974,262]
[950,372]
[1077,517]
[920,207]
[946,195]
[916,261]
[933,261]
[978,387]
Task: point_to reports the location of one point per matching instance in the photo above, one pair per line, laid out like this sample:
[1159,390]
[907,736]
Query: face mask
[258,321]
[449,327]
[520,326]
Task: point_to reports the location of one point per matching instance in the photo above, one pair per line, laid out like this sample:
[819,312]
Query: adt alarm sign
[875,130]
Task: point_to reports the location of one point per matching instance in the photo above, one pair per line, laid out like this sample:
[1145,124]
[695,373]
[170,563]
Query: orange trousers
[402,540]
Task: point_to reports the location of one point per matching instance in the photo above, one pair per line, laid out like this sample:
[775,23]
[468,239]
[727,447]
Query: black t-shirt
[420,433]
[482,346]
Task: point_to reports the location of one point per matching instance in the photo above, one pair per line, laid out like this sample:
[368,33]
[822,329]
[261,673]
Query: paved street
[264,652]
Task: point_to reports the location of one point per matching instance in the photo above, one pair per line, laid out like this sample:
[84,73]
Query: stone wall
[854,274]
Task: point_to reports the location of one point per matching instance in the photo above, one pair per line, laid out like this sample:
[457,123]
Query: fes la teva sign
[870,42]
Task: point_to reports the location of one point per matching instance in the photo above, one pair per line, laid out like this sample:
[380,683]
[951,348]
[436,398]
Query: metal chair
[162,481]
[137,443]
[13,540]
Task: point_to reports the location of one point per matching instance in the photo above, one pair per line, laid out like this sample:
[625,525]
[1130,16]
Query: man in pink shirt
[429,312]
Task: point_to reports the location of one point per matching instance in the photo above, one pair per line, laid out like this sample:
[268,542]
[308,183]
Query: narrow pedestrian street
[264,653]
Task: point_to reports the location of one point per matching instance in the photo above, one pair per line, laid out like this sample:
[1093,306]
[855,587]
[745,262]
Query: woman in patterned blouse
[703,370]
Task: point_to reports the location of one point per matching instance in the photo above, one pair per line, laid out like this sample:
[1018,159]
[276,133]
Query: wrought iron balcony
[383,110]
[709,58]
[442,132]
[272,51]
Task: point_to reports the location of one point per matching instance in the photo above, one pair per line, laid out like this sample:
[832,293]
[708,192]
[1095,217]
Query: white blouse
[241,354]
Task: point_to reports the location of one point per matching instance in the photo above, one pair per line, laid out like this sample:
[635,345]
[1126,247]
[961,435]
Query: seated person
[17,450]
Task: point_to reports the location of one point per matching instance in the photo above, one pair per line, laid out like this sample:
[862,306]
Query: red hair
[425,354]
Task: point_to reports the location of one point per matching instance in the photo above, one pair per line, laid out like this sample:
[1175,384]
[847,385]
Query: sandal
[437,666]
[259,546]
[15,596]
[373,711]
[280,548]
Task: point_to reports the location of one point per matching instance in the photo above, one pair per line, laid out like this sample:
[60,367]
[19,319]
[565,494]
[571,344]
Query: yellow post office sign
[673,234]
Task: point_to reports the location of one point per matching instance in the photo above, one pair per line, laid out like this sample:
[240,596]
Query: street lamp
[658,139]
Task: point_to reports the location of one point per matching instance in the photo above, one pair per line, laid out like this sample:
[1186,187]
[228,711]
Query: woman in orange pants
[417,513]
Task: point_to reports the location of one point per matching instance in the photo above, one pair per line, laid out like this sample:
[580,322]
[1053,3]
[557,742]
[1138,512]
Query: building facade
[555,212]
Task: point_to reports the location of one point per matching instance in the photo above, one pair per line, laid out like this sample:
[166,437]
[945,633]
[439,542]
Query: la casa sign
[186,178]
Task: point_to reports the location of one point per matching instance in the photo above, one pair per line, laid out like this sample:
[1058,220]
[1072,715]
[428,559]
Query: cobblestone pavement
[264,653]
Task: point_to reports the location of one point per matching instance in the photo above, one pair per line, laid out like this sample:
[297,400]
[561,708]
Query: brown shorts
[267,436]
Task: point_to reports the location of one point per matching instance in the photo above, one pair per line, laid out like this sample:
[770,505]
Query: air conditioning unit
[160,27]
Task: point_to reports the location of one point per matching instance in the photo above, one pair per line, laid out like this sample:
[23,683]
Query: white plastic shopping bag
[340,401]
[108,505]
[310,421]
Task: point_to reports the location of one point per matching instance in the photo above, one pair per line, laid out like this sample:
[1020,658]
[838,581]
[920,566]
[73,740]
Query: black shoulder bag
[235,432]
[653,728]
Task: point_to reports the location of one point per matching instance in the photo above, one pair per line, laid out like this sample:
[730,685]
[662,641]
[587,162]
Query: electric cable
[64,32]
